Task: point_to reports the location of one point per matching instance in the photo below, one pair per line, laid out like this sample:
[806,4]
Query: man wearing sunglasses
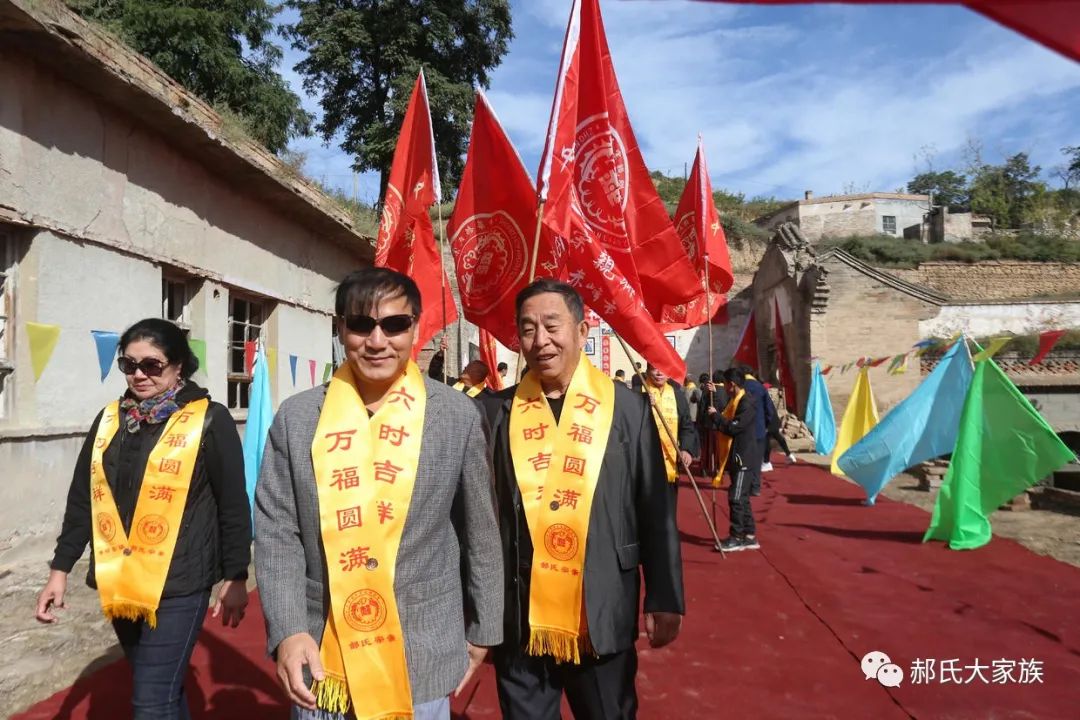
[377,549]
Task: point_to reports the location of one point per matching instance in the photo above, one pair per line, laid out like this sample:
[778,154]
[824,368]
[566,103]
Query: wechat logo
[877,665]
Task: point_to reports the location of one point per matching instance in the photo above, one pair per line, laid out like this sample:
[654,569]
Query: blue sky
[788,98]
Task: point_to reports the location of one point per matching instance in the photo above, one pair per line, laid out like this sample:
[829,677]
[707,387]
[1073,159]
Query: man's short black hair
[620,373]
[547,285]
[362,290]
[736,375]
[501,366]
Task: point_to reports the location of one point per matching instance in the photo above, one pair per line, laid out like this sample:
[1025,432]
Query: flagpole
[708,309]
[675,444]
[442,287]
[532,271]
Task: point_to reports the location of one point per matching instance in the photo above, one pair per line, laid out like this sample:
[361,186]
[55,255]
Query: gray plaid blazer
[449,573]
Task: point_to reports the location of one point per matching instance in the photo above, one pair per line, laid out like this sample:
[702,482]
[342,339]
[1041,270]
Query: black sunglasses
[150,367]
[391,324]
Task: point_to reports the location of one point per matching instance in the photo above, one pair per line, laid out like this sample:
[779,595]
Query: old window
[247,314]
[10,246]
[7,288]
[888,224]
[176,293]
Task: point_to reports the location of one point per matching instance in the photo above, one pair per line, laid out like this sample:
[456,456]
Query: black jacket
[744,444]
[215,530]
[632,523]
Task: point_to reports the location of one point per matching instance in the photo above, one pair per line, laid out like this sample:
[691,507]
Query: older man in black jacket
[630,523]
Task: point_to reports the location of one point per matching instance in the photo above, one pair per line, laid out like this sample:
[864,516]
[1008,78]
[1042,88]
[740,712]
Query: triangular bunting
[43,339]
[106,343]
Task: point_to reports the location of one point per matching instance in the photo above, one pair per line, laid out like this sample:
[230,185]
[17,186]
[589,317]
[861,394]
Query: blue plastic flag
[106,343]
[819,414]
[260,415]
[924,426]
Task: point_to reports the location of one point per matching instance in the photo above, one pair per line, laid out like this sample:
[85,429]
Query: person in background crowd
[635,380]
[473,378]
[502,368]
[376,546]
[158,491]
[669,402]
[704,426]
[578,464]
[620,377]
[692,393]
[765,411]
[738,422]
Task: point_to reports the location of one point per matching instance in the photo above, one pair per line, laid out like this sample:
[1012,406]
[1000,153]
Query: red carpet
[772,634]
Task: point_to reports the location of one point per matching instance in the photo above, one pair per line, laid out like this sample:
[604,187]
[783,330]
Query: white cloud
[792,98]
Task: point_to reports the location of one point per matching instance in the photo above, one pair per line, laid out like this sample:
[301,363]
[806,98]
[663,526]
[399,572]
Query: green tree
[1008,193]
[948,188]
[218,49]
[363,58]
[1069,173]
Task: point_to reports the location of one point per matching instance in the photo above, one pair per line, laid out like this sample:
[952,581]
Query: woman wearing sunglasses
[159,494]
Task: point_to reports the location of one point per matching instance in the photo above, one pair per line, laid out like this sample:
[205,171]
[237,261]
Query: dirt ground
[49,658]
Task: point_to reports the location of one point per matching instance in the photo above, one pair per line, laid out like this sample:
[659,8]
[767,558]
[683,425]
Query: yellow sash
[131,571]
[471,392]
[557,467]
[723,440]
[664,400]
[365,470]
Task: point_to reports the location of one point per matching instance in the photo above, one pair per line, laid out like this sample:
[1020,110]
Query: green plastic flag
[1004,447]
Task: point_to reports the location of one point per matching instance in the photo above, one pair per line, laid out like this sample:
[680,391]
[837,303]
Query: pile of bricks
[930,474]
[797,434]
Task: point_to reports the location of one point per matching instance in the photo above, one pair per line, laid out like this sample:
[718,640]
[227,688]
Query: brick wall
[995,279]
[866,317]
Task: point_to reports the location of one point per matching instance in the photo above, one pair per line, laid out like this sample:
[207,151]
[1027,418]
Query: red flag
[698,225]
[491,228]
[249,356]
[787,381]
[311,368]
[878,361]
[406,240]
[593,179]
[1047,341]
[490,356]
[746,352]
[611,232]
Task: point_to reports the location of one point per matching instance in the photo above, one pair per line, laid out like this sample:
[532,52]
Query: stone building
[838,216]
[835,308]
[122,196]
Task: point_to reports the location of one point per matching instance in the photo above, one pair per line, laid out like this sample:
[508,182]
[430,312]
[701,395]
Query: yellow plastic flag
[860,416]
[42,343]
[271,359]
[993,348]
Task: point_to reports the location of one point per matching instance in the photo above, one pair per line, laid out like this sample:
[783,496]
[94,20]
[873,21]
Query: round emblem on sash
[106,526]
[491,254]
[688,235]
[603,180]
[365,610]
[152,529]
[561,542]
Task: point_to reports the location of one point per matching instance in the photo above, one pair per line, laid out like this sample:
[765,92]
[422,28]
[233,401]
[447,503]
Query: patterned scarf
[151,410]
